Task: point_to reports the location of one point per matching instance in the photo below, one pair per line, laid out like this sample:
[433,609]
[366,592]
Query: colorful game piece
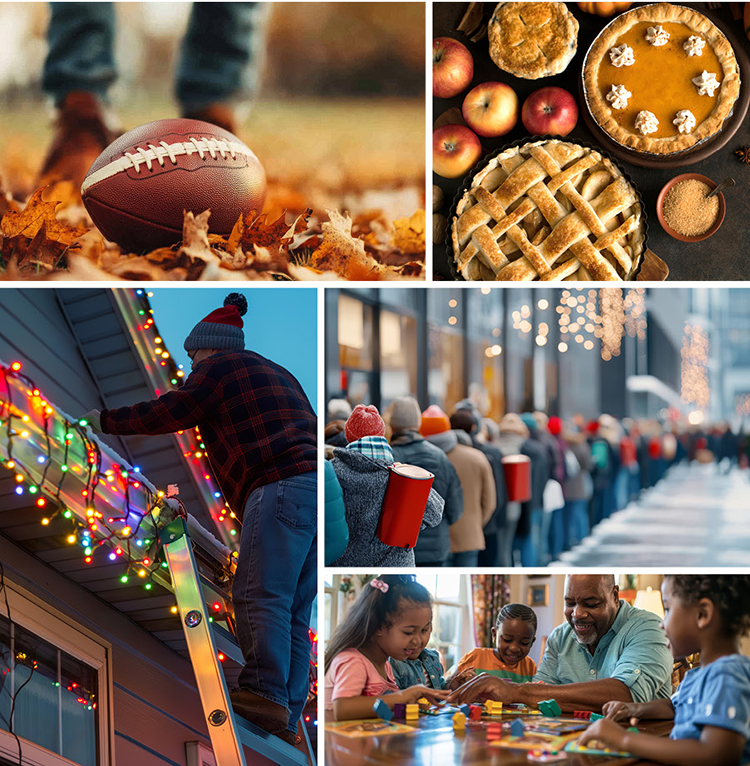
[517,728]
[475,713]
[459,722]
[574,747]
[492,707]
[412,711]
[466,710]
[399,710]
[585,714]
[382,710]
[423,701]
[549,708]
[633,728]
[546,756]
[596,717]
[494,731]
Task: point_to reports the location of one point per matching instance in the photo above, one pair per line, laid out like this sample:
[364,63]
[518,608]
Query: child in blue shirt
[711,708]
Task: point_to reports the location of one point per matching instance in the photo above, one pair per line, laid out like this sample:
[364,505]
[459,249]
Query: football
[139,187]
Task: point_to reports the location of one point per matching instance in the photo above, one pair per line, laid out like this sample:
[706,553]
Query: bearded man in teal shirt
[607,650]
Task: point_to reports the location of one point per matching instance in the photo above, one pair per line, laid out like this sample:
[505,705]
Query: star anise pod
[744,154]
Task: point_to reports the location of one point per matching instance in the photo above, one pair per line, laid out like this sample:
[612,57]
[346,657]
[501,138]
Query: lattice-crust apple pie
[549,210]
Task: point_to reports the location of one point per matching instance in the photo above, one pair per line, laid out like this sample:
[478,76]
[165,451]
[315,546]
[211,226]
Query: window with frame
[450,615]
[51,682]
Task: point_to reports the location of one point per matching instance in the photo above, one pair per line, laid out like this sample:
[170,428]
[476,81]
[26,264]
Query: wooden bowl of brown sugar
[684,210]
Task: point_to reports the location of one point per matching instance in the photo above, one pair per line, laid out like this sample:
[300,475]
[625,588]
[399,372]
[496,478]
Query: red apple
[455,150]
[550,111]
[452,67]
[491,109]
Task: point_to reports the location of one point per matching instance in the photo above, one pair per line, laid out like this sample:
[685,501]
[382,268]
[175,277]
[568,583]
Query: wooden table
[437,745]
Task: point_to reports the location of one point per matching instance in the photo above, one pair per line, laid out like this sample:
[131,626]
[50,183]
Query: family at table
[607,657]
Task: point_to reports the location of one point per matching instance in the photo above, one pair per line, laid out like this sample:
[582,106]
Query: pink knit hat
[434,421]
[365,420]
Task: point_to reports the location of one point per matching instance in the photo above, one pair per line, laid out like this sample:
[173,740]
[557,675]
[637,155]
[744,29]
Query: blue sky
[281,324]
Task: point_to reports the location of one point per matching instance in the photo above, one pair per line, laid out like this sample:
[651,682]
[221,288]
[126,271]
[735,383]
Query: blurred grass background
[340,110]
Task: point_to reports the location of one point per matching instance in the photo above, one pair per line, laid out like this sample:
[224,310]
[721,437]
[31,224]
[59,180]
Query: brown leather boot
[81,134]
[265,714]
[217,114]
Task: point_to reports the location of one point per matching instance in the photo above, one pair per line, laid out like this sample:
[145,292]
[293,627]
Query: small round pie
[661,78]
[549,210]
[532,40]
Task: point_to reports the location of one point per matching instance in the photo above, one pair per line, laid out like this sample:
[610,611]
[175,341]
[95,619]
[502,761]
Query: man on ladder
[259,432]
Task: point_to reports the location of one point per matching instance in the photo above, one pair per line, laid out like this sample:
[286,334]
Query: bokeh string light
[695,387]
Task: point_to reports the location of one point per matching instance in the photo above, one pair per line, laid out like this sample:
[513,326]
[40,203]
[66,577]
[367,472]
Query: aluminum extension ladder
[229,733]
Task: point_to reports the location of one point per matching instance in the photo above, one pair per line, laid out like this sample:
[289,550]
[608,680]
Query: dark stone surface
[724,256]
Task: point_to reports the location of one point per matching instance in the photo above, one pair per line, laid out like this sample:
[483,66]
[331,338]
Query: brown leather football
[138,188]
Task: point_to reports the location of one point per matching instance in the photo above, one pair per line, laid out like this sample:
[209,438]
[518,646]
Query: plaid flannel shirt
[255,421]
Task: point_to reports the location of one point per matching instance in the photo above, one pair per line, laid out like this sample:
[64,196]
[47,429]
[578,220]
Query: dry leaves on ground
[52,237]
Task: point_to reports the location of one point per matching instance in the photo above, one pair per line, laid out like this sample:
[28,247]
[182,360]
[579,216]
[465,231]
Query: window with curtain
[489,594]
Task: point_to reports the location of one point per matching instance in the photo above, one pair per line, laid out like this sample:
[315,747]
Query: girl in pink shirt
[388,619]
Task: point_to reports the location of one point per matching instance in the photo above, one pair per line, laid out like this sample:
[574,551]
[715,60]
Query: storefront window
[355,333]
[398,356]
[445,378]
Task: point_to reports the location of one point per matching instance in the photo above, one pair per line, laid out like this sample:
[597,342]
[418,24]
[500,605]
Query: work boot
[81,135]
[266,715]
[217,114]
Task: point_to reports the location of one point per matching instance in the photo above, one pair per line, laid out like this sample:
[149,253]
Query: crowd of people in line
[581,473]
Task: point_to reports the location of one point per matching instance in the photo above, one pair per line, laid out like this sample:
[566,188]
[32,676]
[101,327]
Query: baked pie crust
[532,40]
[549,210]
[661,81]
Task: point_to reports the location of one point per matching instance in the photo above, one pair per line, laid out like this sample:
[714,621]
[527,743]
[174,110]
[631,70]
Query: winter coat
[336,530]
[480,496]
[363,481]
[495,456]
[434,544]
[579,487]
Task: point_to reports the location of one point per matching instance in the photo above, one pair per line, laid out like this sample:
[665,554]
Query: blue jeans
[463,559]
[576,516]
[274,587]
[217,62]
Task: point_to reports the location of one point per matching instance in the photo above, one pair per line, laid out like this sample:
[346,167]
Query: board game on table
[432,739]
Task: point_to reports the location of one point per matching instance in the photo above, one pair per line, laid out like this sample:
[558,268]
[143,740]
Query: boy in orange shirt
[513,636]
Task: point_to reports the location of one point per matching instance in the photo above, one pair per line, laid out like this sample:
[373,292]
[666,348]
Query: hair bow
[380,585]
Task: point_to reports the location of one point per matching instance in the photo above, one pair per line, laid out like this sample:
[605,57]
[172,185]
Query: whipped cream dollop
[622,56]
[618,96]
[646,122]
[707,83]
[685,121]
[657,36]
[694,45]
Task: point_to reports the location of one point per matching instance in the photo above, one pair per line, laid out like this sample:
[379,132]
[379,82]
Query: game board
[574,747]
[542,733]
[371,727]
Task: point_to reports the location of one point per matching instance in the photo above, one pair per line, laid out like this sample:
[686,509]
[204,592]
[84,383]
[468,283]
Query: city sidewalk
[694,517]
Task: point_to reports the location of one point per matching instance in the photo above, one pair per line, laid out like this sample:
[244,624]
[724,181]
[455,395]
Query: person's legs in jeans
[80,55]
[78,72]
[272,589]
[220,57]
[299,672]
[464,559]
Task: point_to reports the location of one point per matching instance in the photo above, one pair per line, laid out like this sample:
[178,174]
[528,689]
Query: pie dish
[661,78]
[548,210]
[532,40]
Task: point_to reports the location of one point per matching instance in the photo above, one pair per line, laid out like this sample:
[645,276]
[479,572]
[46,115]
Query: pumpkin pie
[548,210]
[532,40]
[661,78]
